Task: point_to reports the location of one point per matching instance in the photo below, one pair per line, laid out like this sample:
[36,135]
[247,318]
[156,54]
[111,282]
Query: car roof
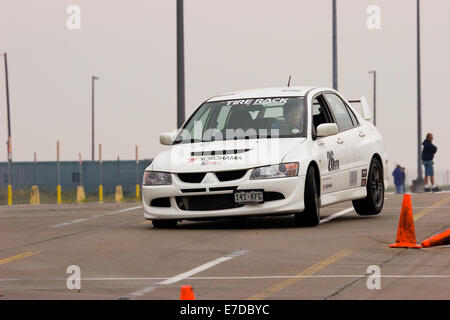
[263,93]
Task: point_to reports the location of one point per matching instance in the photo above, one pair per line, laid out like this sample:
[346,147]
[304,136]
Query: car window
[250,118]
[222,117]
[352,115]
[339,109]
[319,112]
[200,121]
[275,112]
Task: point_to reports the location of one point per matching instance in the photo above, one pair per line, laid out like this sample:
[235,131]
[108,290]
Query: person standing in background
[399,179]
[429,149]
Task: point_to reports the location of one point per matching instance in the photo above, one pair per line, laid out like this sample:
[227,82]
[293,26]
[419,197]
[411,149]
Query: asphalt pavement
[121,256]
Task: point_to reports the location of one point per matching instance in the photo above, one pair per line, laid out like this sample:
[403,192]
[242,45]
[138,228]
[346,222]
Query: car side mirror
[327,129]
[165,138]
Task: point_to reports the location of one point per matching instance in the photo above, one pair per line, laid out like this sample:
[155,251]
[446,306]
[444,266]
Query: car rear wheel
[164,224]
[311,215]
[372,204]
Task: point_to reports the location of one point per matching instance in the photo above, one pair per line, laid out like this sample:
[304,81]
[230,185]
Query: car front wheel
[311,215]
[372,204]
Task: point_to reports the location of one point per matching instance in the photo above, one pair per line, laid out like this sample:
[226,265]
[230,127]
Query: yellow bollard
[34,197]
[138,194]
[81,196]
[100,193]
[9,195]
[119,194]
[58,194]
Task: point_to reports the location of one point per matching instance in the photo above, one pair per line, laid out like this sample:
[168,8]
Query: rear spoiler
[366,113]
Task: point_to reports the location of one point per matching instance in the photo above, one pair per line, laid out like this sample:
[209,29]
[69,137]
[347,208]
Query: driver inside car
[292,122]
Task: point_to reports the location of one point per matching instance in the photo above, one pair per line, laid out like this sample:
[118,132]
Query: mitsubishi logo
[208,179]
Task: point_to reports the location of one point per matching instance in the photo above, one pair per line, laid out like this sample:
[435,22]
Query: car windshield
[275,117]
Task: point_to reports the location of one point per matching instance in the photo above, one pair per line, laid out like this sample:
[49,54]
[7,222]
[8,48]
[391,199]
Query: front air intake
[194,177]
[230,175]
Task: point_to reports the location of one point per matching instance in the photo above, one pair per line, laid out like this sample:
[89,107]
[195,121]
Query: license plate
[248,196]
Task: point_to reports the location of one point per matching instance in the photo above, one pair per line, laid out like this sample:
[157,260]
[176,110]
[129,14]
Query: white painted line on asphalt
[335,215]
[93,217]
[238,278]
[186,274]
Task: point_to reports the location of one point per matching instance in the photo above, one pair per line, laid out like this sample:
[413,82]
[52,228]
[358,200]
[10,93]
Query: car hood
[224,155]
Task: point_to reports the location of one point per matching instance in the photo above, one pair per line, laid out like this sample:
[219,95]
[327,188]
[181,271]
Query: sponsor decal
[327,186]
[364,173]
[353,178]
[332,163]
[363,182]
[214,159]
[250,102]
[206,162]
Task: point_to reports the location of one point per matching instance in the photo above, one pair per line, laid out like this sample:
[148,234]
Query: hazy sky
[229,45]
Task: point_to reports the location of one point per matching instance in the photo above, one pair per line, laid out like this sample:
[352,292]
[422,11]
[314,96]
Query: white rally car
[274,151]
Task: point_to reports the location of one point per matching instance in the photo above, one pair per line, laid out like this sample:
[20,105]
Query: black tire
[372,204]
[164,224]
[310,217]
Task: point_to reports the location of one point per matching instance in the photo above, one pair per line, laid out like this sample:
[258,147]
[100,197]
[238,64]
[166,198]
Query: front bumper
[291,188]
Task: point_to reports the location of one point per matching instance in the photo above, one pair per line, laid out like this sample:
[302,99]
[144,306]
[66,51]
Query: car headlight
[275,171]
[156,178]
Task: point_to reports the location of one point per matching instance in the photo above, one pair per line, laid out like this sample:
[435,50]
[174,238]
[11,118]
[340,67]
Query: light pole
[9,146]
[418,183]
[335,67]
[374,72]
[93,122]
[180,65]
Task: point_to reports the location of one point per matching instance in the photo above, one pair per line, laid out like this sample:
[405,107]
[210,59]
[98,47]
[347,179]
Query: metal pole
[335,67]
[419,98]
[180,65]
[9,147]
[93,122]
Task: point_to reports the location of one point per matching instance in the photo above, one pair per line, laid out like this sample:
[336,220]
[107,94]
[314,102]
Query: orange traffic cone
[187,293]
[406,235]
[440,239]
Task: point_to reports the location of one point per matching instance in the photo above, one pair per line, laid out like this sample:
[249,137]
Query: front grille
[194,177]
[207,202]
[230,175]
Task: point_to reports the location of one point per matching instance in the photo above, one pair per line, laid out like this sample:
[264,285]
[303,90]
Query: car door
[330,150]
[350,134]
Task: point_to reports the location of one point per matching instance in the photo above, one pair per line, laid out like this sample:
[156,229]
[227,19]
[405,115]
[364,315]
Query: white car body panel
[353,148]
